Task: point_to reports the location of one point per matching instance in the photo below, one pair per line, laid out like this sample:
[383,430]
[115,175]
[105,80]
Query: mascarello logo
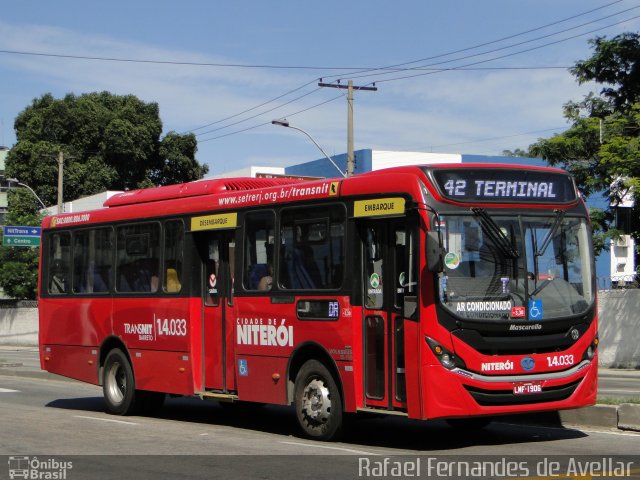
[527,363]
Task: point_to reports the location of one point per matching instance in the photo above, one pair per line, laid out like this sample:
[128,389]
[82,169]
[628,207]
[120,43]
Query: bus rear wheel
[118,385]
[318,402]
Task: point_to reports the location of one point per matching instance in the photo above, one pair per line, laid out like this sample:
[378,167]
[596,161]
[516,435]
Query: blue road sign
[20,231]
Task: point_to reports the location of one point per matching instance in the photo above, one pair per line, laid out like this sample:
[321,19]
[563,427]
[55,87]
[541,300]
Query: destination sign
[483,185]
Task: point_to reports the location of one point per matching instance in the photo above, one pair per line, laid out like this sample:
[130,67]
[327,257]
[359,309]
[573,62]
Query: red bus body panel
[263,337]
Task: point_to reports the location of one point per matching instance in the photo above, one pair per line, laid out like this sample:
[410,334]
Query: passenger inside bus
[138,276]
[266,282]
[173,282]
[58,282]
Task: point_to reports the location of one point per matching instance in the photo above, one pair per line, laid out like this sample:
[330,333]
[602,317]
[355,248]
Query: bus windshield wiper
[551,233]
[497,236]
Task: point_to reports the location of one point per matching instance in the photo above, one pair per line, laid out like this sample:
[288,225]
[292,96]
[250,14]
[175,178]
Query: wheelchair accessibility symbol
[243,368]
[535,309]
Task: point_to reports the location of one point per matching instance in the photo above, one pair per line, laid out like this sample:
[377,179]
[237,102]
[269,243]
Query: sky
[454,76]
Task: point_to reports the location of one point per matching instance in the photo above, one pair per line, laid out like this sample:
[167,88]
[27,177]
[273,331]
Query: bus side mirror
[434,252]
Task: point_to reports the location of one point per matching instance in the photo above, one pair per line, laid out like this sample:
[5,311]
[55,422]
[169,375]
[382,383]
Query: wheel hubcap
[316,403]
[116,382]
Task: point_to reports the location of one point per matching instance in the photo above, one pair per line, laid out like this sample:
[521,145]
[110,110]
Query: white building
[83,204]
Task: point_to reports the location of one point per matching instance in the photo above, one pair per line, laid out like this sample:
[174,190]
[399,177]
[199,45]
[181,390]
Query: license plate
[527,388]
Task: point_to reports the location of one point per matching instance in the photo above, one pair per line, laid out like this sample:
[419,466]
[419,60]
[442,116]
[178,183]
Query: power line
[512,53]
[512,45]
[280,67]
[253,108]
[473,47]
[463,67]
[269,122]
[502,137]
[258,114]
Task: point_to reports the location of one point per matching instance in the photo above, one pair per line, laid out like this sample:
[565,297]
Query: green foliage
[518,152]
[601,147]
[109,142]
[19,272]
[615,63]
[602,233]
[177,152]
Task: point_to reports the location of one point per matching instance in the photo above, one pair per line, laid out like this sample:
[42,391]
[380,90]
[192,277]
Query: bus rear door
[217,251]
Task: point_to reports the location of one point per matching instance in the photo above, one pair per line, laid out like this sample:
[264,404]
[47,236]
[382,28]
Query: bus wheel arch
[118,383]
[109,344]
[310,351]
[117,378]
[314,387]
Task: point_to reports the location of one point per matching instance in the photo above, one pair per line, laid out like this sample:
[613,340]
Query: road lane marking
[8,390]
[350,450]
[106,420]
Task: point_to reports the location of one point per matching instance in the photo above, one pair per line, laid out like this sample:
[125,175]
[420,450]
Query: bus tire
[471,423]
[318,402]
[118,385]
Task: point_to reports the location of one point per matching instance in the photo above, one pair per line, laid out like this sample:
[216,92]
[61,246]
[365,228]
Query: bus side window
[312,248]
[258,249]
[59,263]
[173,255]
[92,259]
[138,256]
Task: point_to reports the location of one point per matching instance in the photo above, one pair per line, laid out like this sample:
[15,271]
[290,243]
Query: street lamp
[15,181]
[285,123]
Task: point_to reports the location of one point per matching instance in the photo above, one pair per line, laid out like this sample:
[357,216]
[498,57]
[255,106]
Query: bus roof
[195,189]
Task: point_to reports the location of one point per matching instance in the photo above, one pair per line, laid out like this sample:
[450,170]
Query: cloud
[442,111]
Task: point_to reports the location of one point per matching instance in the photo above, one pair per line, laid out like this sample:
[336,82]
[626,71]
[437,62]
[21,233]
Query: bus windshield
[533,268]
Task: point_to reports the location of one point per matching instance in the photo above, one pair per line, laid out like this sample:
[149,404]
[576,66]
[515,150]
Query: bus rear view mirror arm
[435,252]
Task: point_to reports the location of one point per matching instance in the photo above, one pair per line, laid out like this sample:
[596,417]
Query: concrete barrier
[619,322]
[19,326]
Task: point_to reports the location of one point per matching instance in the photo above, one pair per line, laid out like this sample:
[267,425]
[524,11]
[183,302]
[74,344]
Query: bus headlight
[447,359]
[590,352]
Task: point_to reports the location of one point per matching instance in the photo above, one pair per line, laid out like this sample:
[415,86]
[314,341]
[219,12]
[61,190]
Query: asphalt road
[190,438]
[54,419]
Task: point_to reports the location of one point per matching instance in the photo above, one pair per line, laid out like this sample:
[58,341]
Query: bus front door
[217,251]
[386,277]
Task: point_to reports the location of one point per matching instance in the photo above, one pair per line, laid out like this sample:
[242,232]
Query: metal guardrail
[9,303]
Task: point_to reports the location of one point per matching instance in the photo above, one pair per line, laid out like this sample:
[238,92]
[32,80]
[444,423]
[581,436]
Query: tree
[108,142]
[615,63]
[19,272]
[601,147]
[518,152]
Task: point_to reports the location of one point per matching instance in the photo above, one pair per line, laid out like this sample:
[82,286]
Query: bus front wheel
[318,402]
[118,384]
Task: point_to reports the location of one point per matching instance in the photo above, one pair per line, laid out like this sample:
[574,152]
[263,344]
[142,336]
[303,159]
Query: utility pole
[60,171]
[350,88]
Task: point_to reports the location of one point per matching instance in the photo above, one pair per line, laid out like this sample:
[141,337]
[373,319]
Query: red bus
[449,291]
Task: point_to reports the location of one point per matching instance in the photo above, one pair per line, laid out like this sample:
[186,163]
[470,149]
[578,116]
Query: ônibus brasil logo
[41,469]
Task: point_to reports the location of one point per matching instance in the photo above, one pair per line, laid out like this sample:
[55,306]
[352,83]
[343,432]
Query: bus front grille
[494,398]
